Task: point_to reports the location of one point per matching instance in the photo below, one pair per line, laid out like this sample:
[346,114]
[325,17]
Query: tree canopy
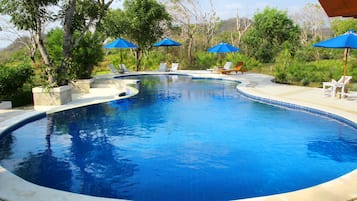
[76,16]
[341,26]
[272,31]
[26,15]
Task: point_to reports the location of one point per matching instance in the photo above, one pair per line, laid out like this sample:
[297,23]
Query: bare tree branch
[312,19]
[242,26]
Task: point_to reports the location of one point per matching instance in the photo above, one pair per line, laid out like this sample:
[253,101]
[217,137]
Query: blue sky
[246,8]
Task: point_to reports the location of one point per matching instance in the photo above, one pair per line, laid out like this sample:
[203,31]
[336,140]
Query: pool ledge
[17,189]
[254,86]
[342,188]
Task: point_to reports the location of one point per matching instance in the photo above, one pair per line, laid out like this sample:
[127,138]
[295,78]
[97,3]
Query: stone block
[52,96]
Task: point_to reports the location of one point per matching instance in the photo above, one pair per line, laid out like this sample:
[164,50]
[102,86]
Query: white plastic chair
[163,67]
[330,88]
[226,68]
[227,65]
[174,67]
[123,68]
[113,69]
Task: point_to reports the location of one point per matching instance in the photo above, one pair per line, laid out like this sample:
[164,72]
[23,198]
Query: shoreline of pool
[13,188]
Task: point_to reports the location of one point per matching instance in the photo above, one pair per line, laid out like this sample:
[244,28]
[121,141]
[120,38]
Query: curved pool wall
[298,107]
[27,191]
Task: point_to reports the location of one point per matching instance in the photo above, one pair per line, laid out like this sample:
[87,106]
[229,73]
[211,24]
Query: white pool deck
[13,188]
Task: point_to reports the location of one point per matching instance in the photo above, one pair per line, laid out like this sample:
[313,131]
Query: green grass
[102,72]
[353,86]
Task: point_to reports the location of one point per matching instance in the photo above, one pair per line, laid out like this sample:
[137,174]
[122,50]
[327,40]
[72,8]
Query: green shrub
[305,82]
[249,62]
[54,45]
[152,60]
[12,79]
[86,55]
[306,54]
[281,71]
[22,98]
[207,60]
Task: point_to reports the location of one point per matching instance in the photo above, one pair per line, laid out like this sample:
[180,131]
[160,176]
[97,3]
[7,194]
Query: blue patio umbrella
[167,42]
[121,44]
[223,48]
[347,40]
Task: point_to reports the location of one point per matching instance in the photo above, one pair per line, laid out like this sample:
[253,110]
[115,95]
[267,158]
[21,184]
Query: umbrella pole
[121,57]
[167,51]
[346,58]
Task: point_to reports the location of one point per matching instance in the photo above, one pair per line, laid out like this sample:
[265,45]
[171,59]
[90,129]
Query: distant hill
[229,24]
[18,44]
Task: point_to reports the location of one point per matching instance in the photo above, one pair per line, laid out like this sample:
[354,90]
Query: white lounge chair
[163,67]
[113,69]
[227,68]
[330,88]
[123,68]
[174,67]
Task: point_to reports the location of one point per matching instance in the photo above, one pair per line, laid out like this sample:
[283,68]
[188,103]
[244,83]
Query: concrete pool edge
[14,188]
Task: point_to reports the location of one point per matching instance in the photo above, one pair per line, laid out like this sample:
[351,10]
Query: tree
[188,15]
[312,19]
[271,32]
[209,25]
[88,52]
[114,24]
[31,15]
[340,26]
[242,26]
[77,17]
[146,21]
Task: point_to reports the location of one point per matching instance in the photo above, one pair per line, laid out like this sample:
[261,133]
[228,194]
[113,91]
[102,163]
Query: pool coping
[343,188]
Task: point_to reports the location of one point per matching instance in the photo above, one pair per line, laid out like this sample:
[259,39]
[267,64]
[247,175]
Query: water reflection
[92,155]
[339,150]
[38,168]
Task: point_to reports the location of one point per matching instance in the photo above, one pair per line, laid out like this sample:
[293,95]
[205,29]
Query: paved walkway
[262,86]
[343,188]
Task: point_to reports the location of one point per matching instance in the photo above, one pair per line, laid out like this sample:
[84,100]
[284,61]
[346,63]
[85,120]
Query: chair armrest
[327,84]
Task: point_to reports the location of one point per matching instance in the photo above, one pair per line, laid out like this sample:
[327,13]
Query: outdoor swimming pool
[180,139]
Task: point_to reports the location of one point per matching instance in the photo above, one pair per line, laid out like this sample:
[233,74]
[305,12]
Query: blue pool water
[180,139]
